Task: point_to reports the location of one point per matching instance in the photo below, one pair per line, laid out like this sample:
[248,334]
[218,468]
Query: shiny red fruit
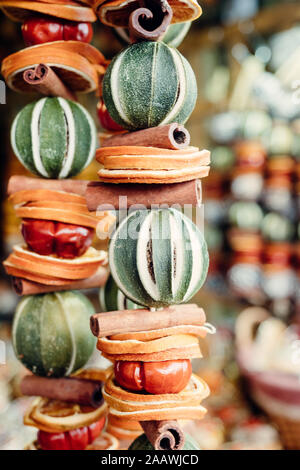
[76,439]
[72,240]
[154,377]
[55,238]
[105,119]
[39,235]
[38,30]
[74,31]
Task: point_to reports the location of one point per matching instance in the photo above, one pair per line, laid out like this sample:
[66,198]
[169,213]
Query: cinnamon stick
[164,435]
[44,80]
[25,287]
[99,195]
[125,321]
[19,183]
[172,136]
[83,392]
[150,21]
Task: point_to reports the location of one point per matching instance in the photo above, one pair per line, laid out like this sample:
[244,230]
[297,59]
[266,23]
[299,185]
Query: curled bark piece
[172,136]
[98,195]
[164,435]
[83,392]
[20,183]
[150,22]
[26,287]
[124,321]
[46,82]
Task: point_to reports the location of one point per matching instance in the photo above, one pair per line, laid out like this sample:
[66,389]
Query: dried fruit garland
[148,84]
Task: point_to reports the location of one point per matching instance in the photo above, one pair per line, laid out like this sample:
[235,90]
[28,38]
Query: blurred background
[246,57]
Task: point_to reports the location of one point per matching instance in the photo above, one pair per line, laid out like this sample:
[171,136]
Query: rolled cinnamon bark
[19,183]
[45,81]
[25,287]
[125,321]
[83,392]
[164,435]
[172,136]
[98,195]
[150,24]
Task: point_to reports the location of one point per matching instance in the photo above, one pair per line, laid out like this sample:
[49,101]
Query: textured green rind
[26,334]
[203,253]
[142,443]
[122,250]
[22,137]
[147,86]
[191,95]
[161,247]
[188,255]
[110,293]
[127,265]
[53,136]
[46,330]
[176,33]
[82,146]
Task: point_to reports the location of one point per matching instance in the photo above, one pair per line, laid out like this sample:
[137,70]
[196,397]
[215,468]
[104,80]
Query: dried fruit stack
[55,137]
[158,257]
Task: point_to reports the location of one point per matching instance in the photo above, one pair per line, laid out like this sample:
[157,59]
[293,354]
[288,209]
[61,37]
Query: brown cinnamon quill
[150,21]
[99,195]
[125,321]
[172,136]
[164,435]
[45,81]
[83,392]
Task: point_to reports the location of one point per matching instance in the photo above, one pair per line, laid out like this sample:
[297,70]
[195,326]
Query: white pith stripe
[176,243]
[197,261]
[70,130]
[18,313]
[102,299]
[74,349]
[141,258]
[182,91]
[120,300]
[112,264]
[35,137]
[115,88]
[154,59]
[94,136]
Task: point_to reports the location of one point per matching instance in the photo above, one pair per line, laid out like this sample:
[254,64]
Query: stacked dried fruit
[158,256]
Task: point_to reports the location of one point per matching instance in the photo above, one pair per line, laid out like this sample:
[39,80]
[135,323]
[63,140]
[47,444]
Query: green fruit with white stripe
[149,84]
[54,138]
[158,258]
[112,299]
[173,36]
[51,333]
